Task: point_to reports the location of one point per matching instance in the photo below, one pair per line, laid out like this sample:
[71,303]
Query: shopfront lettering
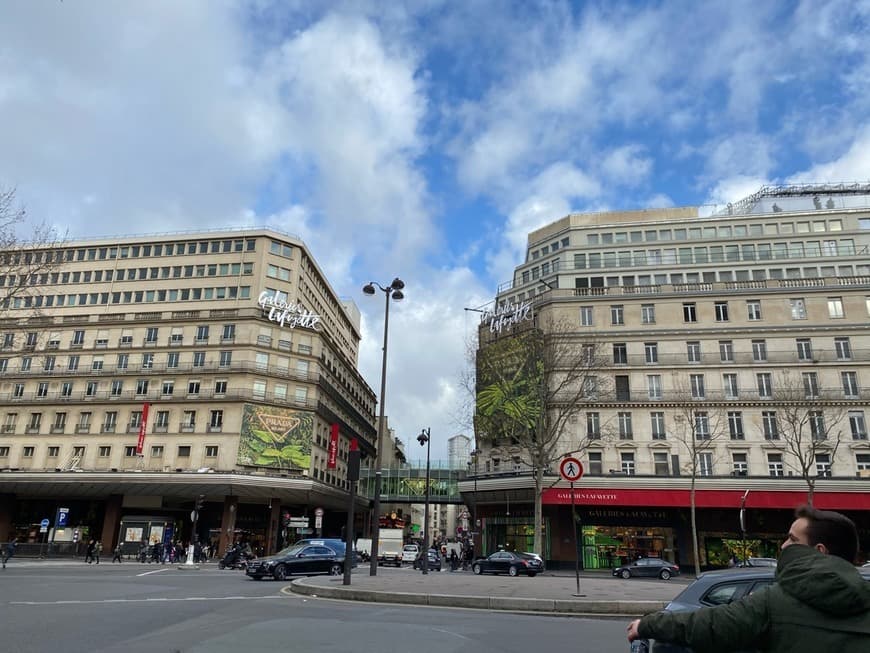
[507,315]
[587,496]
[626,514]
[285,314]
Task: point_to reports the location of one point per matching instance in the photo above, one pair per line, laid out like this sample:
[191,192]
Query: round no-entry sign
[571,469]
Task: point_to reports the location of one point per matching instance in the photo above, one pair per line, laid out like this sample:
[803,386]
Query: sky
[421,139]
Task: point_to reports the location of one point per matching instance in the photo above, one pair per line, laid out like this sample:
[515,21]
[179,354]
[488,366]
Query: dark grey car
[508,562]
[648,568]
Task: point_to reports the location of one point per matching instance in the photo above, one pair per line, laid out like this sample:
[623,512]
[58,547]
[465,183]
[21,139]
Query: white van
[410,553]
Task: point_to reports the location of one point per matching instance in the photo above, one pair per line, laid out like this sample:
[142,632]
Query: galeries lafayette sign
[286,315]
[706,498]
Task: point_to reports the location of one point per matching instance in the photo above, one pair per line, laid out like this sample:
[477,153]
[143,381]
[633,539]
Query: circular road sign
[571,469]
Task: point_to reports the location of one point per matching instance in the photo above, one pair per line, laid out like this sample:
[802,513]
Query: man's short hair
[836,531]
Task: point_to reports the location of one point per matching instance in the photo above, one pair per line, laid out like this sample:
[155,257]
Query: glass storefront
[606,547]
[513,534]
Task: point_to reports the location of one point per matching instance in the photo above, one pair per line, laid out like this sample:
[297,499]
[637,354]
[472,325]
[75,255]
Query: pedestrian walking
[9,550]
[98,549]
[89,551]
[116,553]
[819,601]
[454,560]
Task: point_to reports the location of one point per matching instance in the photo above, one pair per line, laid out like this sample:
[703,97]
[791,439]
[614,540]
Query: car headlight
[270,563]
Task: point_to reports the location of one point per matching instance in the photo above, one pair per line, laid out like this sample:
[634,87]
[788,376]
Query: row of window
[129,297]
[105,451]
[110,423]
[664,464]
[804,352]
[134,274]
[706,426]
[722,311]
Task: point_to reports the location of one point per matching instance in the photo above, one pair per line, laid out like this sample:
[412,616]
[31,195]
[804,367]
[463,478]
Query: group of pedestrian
[93,551]
[820,602]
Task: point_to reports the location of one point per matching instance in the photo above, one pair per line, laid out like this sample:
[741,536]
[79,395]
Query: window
[184,451]
[151,335]
[617,314]
[843,348]
[735,425]
[798,309]
[59,424]
[34,423]
[91,388]
[211,451]
[172,360]
[624,421]
[804,349]
[702,425]
[857,425]
[620,353]
[835,308]
[862,462]
[18,393]
[27,452]
[192,387]
[220,387]
[123,361]
[147,361]
[651,352]
[202,333]
[199,359]
[161,420]
[142,387]
[759,351]
[850,383]
[647,314]
[168,387]
[262,361]
[823,464]
[690,313]
[226,359]
[586,316]
[26,364]
[626,459]
[763,382]
[696,381]
[595,463]
[739,464]
[774,464]
[726,351]
[78,338]
[817,425]
[53,452]
[753,309]
[705,464]
[769,426]
[729,386]
[654,386]
[593,426]
[66,389]
[156,451]
[811,384]
[721,311]
[49,363]
[117,388]
[693,352]
[657,425]
[216,420]
[660,463]
[188,420]
[84,425]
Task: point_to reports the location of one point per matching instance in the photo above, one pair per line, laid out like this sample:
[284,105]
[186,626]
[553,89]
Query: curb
[574,607]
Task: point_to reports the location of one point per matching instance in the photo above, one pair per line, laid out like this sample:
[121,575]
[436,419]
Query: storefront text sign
[507,315]
[286,315]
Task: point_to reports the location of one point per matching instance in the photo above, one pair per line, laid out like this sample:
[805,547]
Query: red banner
[332,452]
[706,498]
[143,427]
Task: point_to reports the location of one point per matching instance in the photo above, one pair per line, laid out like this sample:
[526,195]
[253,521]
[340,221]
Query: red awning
[707,498]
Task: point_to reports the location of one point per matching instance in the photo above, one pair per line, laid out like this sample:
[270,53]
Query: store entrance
[606,547]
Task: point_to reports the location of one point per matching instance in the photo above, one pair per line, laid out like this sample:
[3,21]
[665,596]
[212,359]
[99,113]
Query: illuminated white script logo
[506,315]
[287,315]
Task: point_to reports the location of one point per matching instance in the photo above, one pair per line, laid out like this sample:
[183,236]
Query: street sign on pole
[62,517]
[43,526]
[571,469]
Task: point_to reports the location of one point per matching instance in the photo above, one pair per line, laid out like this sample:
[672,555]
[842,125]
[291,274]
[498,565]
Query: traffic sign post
[571,470]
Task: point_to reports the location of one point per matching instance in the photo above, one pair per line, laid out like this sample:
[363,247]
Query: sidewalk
[547,593]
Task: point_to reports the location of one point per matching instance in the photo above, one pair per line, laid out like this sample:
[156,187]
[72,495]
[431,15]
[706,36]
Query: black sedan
[301,559]
[649,568]
[508,562]
[434,560]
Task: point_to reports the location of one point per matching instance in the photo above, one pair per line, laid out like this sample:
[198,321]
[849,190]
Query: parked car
[410,552]
[508,562]
[536,556]
[716,588]
[306,557]
[434,560]
[649,568]
[757,562]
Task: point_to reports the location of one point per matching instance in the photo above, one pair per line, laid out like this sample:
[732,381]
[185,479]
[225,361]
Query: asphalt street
[50,607]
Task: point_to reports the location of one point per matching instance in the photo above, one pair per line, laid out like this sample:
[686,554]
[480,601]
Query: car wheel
[626,573]
[532,574]
[336,569]
[477,569]
[221,565]
[280,572]
[665,575]
[512,571]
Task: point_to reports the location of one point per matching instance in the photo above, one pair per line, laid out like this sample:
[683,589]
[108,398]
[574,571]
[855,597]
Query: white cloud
[626,166]
[852,165]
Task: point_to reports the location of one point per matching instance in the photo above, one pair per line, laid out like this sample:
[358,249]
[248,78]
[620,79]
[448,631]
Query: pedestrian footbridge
[406,483]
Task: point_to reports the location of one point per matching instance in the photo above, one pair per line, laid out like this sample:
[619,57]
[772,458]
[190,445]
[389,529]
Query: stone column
[228,523]
[7,502]
[111,522]
[274,525]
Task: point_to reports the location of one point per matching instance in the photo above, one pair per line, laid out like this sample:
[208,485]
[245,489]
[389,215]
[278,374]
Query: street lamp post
[474,455]
[425,440]
[393,291]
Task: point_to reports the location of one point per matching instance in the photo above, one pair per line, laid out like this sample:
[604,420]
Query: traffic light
[200,502]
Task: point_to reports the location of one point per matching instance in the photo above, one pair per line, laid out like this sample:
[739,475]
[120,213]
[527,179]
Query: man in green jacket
[819,602]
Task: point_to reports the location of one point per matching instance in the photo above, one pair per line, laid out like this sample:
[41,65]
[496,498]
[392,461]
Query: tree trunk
[694,530]
[811,487]
[539,513]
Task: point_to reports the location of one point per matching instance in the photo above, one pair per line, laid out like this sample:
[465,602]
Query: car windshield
[291,550]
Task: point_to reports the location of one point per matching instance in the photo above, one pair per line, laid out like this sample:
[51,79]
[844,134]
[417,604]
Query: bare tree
[699,426]
[24,263]
[531,384]
[808,424]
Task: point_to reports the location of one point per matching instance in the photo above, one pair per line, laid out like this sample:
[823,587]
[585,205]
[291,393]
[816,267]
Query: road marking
[149,600]
[155,571]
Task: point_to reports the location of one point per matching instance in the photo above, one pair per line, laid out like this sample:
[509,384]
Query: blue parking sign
[62,515]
